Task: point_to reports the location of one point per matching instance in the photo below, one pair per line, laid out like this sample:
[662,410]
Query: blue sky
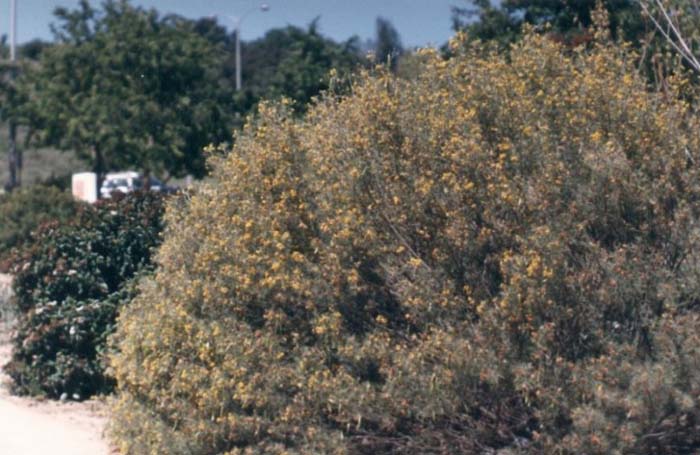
[420,22]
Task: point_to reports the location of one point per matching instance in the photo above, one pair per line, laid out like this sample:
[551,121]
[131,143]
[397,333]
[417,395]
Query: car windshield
[119,182]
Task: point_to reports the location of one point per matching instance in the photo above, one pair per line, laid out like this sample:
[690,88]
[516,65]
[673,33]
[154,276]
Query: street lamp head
[264,7]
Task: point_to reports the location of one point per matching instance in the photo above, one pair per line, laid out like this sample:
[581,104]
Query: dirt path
[32,427]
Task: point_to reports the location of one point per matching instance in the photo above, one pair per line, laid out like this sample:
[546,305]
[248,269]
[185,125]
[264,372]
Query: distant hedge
[24,210]
[498,255]
[70,284]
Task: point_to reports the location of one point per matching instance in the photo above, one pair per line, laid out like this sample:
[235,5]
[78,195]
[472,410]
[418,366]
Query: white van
[125,182]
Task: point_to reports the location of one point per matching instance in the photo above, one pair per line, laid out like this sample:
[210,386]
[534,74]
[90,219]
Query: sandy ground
[33,427]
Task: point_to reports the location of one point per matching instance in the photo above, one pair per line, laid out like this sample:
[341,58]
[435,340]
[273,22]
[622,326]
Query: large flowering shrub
[497,254]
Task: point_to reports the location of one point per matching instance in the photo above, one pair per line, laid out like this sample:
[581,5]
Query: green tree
[569,20]
[124,87]
[291,62]
[388,47]
[32,50]
[295,63]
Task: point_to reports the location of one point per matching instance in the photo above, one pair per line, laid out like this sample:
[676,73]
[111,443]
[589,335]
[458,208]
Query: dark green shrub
[481,259]
[69,286]
[24,210]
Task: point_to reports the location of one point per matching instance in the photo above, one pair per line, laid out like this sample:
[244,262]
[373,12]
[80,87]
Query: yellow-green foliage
[485,256]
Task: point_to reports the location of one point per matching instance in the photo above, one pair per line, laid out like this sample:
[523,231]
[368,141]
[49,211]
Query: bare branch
[671,32]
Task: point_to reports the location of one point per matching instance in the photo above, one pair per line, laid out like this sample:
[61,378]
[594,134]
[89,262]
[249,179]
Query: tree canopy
[290,62]
[125,87]
[503,21]
[388,47]
[295,63]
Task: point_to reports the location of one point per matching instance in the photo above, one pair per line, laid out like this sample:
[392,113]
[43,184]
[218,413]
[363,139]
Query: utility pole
[14,157]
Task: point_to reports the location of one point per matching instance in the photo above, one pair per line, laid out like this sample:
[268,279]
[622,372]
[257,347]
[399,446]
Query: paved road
[26,430]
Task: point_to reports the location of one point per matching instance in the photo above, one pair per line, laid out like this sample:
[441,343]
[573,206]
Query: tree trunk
[20,162]
[98,167]
[12,158]
[146,180]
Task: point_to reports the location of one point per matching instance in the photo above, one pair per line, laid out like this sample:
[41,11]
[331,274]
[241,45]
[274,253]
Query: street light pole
[264,7]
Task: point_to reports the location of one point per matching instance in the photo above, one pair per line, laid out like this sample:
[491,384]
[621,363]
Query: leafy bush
[69,286]
[6,313]
[496,255]
[25,209]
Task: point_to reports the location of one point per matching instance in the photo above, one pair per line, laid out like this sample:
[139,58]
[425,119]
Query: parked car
[126,182]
